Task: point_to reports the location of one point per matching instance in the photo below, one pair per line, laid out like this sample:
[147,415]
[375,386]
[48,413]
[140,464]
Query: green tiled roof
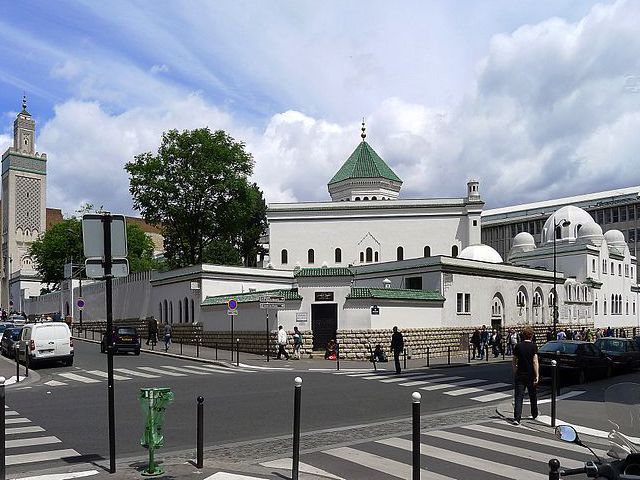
[395,294]
[291,294]
[323,272]
[364,162]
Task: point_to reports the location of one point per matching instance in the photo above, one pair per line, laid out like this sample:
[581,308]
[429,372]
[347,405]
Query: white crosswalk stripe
[31,445]
[135,373]
[160,371]
[466,391]
[490,450]
[442,386]
[78,378]
[101,374]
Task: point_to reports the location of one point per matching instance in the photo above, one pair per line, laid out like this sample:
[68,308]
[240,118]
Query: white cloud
[155,69]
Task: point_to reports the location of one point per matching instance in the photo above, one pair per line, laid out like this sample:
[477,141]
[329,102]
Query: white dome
[481,253]
[576,217]
[524,239]
[615,238]
[591,233]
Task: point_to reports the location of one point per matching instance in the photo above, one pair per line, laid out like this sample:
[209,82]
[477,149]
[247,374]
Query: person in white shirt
[282,342]
[561,335]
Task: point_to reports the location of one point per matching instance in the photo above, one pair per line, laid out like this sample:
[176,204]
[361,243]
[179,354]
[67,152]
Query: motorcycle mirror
[567,433]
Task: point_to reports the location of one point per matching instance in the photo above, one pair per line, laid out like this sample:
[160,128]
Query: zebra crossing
[81,376]
[491,450]
[28,444]
[475,389]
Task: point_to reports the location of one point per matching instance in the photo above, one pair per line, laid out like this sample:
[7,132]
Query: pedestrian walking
[397,345]
[475,343]
[282,342]
[561,335]
[512,341]
[152,327]
[297,343]
[549,334]
[525,373]
[167,336]
[484,341]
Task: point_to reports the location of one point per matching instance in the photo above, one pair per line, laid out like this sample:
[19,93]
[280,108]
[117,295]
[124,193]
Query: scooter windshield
[622,402]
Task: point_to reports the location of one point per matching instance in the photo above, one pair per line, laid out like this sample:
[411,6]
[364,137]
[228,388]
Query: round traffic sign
[232,304]
[80,303]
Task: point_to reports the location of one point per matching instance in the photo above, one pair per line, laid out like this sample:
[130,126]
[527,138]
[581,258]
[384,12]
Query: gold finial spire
[363,134]
[24,102]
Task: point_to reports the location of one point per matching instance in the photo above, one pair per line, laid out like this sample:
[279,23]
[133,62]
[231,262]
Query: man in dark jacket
[397,345]
[526,374]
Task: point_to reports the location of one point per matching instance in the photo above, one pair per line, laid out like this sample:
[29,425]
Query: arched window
[311,256]
[427,251]
[374,198]
[193,318]
[558,232]
[171,312]
[338,255]
[160,311]
[179,311]
[361,257]
[521,299]
[626,308]
[613,305]
[186,310]
[284,257]
[454,251]
[357,198]
[365,198]
[605,307]
[375,257]
[400,253]
[166,312]
[369,254]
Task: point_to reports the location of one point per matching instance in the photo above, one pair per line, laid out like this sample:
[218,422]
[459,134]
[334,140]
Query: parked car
[637,340]
[10,338]
[124,339]
[46,341]
[581,360]
[17,319]
[5,325]
[623,352]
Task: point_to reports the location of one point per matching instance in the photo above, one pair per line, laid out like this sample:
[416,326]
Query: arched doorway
[497,311]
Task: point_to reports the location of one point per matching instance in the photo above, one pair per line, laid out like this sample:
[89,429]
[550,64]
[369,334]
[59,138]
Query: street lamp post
[564,223]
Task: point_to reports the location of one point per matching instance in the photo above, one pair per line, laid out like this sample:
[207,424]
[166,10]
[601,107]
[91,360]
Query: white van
[46,341]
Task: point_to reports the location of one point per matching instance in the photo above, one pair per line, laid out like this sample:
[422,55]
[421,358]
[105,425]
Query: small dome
[524,239]
[615,238]
[481,253]
[591,233]
[570,221]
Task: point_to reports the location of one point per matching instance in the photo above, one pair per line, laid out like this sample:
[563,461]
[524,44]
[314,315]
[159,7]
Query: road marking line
[492,396]
[126,371]
[285,464]
[186,370]
[484,388]
[507,433]
[41,456]
[11,412]
[27,442]
[54,383]
[228,371]
[20,430]
[256,367]
[381,464]
[572,393]
[11,421]
[78,378]
[400,379]
[420,382]
[442,386]
[100,373]
[506,471]
[162,372]
[503,448]
[546,420]
[62,476]
[207,369]
[232,476]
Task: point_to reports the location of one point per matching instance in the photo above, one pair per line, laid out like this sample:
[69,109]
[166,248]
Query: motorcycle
[622,402]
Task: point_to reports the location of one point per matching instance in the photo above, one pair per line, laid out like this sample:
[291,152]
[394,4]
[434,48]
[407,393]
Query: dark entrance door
[324,323]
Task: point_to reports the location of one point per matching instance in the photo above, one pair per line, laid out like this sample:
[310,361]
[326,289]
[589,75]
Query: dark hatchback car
[623,352]
[124,339]
[10,338]
[581,360]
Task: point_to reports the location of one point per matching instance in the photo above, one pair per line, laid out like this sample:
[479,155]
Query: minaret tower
[24,173]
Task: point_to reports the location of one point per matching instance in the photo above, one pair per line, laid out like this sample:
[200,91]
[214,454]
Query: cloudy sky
[535,99]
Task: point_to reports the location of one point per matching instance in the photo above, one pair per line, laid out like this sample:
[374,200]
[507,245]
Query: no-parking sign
[80,303]
[232,307]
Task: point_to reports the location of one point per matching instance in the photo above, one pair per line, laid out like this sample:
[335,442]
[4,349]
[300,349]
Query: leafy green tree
[62,243]
[196,189]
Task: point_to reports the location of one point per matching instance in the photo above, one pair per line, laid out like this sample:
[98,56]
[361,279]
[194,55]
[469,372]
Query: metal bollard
[198,347]
[449,355]
[92,334]
[469,354]
[3,469]
[216,351]
[487,349]
[337,356]
[296,428]
[554,469]
[17,368]
[404,358]
[26,362]
[237,352]
[554,391]
[180,345]
[200,433]
[415,398]
[427,355]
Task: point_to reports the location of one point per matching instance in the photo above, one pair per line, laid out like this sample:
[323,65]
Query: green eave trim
[323,272]
[395,294]
[364,162]
[247,297]
[25,170]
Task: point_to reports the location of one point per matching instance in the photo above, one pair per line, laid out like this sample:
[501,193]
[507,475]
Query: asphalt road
[240,404]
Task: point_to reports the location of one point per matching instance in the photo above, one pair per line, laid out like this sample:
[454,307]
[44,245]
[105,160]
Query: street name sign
[95,268]
[272,299]
[271,306]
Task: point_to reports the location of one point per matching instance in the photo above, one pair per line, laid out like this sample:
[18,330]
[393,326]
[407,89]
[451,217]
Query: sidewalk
[8,371]
[224,357]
